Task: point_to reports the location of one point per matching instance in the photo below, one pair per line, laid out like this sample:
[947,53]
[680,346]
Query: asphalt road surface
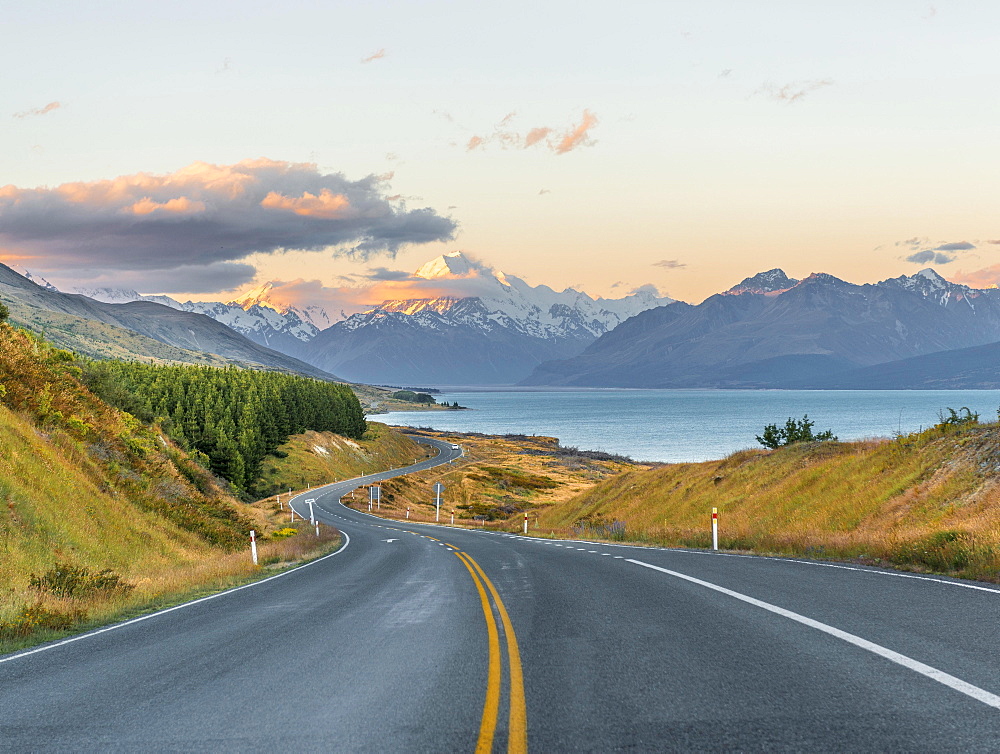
[429,638]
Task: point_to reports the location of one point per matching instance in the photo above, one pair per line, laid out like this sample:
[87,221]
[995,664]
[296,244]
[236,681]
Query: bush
[4,312]
[65,580]
[795,430]
[957,419]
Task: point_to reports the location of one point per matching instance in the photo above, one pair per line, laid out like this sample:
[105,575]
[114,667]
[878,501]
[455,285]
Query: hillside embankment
[496,481]
[928,501]
[102,516]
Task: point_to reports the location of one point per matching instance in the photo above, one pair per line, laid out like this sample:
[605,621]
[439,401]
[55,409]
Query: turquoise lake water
[691,425]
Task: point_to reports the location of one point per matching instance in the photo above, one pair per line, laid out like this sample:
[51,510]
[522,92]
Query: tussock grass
[496,481]
[928,501]
[315,458]
[88,487]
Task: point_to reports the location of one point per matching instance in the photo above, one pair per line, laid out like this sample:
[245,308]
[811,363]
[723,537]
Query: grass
[88,488]
[928,501]
[496,481]
[315,458]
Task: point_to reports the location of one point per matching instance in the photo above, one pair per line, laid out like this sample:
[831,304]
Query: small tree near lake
[795,430]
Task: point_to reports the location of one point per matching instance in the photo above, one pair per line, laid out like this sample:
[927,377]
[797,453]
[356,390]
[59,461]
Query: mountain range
[773,331]
[136,329]
[471,325]
[494,337]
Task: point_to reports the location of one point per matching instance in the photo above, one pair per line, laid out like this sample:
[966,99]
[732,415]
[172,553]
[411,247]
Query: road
[430,638]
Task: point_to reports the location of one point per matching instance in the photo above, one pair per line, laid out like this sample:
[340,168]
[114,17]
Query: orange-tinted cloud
[578,136]
[38,110]
[180,205]
[557,142]
[327,205]
[988,277]
[536,135]
[207,216]
[377,55]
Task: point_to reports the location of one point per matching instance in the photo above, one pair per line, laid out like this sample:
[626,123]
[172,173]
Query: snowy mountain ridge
[507,301]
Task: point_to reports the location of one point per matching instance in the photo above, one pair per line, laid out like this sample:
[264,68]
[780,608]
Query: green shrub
[65,580]
[795,430]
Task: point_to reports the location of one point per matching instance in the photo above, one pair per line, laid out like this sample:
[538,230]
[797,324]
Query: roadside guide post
[253,545]
[312,516]
[453,518]
[715,528]
[407,514]
[280,506]
[317,527]
[438,489]
[525,523]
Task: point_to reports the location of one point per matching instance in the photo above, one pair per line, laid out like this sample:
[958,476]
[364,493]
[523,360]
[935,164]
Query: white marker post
[280,506]
[438,489]
[453,518]
[312,516]
[317,528]
[253,545]
[525,523]
[715,528]
[407,514]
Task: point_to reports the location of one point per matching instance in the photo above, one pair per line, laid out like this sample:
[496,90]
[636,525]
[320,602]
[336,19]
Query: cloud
[994,242]
[930,256]
[382,274]
[207,214]
[955,246]
[38,110]
[536,135]
[793,91]
[988,277]
[670,264]
[578,136]
[377,55]
[558,142]
[647,288]
[195,279]
[925,251]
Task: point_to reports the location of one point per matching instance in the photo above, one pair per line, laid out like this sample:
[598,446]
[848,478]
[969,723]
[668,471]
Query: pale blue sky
[729,137]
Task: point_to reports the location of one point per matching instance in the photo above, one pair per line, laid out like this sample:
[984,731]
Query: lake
[690,425]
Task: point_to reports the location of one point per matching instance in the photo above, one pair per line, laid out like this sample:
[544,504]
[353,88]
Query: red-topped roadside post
[715,528]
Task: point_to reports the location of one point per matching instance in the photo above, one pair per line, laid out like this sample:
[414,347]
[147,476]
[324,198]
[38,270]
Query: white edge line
[768,558]
[934,674]
[158,613]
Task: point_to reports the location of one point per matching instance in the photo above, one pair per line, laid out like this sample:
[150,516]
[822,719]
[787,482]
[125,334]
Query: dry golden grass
[316,458]
[928,501]
[495,482]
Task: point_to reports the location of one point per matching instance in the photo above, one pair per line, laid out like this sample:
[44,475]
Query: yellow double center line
[517,733]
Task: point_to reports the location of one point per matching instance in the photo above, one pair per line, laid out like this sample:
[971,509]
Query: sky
[200,148]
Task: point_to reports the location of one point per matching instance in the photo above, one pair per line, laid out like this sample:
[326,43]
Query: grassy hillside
[99,513]
[925,501]
[498,479]
[316,458]
[99,340]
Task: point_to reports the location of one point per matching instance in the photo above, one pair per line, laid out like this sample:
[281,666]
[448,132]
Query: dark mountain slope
[764,335]
[179,329]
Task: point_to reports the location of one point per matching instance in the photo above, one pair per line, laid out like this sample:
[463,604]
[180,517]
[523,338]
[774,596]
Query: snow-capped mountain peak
[771,281]
[454,263]
[493,299]
[36,279]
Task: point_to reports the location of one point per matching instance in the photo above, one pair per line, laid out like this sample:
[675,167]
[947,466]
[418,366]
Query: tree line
[235,417]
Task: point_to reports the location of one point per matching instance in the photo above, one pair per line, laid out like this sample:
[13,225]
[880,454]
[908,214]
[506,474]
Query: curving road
[424,638]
